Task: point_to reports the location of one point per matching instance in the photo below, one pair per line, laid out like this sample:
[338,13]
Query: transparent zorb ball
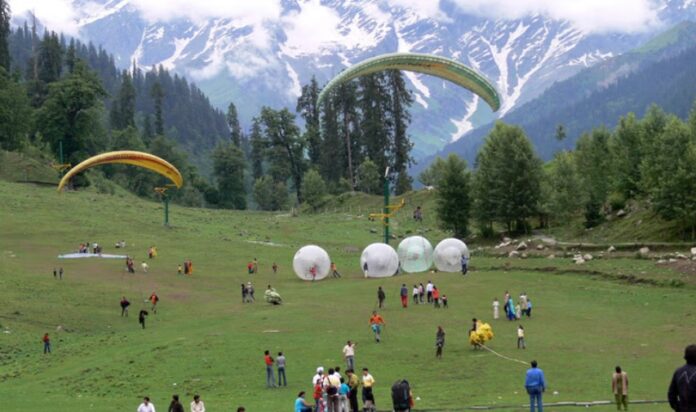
[311,263]
[448,255]
[379,260]
[415,254]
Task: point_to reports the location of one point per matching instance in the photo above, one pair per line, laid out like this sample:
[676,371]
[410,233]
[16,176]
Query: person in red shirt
[313,272]
[436,296]
[154,299]
[47,343]
[270,379]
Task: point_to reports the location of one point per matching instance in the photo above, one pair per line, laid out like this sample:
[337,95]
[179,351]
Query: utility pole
[386,206]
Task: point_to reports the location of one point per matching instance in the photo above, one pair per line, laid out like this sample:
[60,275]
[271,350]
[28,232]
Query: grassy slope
[206,341]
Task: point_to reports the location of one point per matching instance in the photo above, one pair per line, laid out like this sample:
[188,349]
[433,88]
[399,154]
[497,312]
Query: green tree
[72,114]
[314,188]
[453,199]
[5,16]
[15,113]
[626,156]
[348,128]
[233,123]
[258,147]
[433,174]
[309,111]
[137,180]
[563,187]
[157,94]
[593,163]
[369,178]
[375,103]
[332,163]
[507,182]
[270,195]
[286,147]
[401,101]
[122,113]
[228,169]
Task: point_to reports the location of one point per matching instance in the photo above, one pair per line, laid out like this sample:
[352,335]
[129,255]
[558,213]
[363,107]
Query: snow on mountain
[263,60]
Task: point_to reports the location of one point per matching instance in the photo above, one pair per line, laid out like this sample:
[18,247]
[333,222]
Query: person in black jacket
[682,390]
[176,406]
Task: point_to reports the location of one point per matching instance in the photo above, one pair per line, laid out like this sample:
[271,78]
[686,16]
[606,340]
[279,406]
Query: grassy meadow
[204,340]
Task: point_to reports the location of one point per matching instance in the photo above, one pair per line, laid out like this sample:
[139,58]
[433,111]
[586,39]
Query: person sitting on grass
[301,404]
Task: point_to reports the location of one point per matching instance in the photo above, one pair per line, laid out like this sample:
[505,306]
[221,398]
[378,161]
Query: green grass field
[204,340]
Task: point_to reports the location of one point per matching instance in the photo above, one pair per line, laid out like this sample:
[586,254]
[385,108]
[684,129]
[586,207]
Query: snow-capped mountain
[255,60]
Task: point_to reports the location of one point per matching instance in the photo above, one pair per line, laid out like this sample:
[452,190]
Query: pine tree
[401,100]
[157,95]
[71,56]
[348,129]
[331,164]
[375,124]
[228,169]
[626,156]
[258,148]
[564,187]
[123,107]
[15,113]
[433,174]
[5,16]
[233,123]
[314,188]
[594,166]
[309,110]
[453,197]
[286,147]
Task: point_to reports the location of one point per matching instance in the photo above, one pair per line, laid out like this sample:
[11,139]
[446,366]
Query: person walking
[47,343]
[414,294]
[443,299]
[141,317]
[144,266]
[334,270]
[429,291]
[60,273]
[301,404]
[343,391]
[439,342]
[250,292]
[376,324]
[380,297]
[270,379]
[175,405]
[520,338]
[197,404]
[154,299]
[244,293]
[535,385]
[55,274]
[404,295]
[368,397]
[436,296]
[682,389]
[619,385]
[275,268]
[146,406]
[124,306]
[529,308]
[421,292]
[353,384]
[496,308]
[349,355]
[280,364]
[465,264]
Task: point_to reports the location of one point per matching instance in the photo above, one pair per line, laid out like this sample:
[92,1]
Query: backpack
[400,395]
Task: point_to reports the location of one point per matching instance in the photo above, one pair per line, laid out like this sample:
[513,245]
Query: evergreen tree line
[652,160]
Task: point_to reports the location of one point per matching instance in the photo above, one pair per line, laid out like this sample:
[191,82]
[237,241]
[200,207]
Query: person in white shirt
[520,338]
[429,291]
[146,406]
[414,293]
[349,355]
[496,308]
[318,376]
[197,404]
[144,266]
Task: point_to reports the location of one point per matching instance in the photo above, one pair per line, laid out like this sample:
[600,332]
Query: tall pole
[386,206]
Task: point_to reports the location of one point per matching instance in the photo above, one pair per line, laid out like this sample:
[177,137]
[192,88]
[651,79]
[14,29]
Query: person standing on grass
[313,273]
[353,384]
[439,342]
[334,270]
[144,266]
[280,364]
[443,299]
[465,264]
[175,405]
[436,296]
[154,299]
[535,385]
[529,308]
[404,295]
[275,268]
[619,385]
[682,389]
[331,385]
[414,294]
[270,379]
[429,291]
[124,306]
[60,273]
[343,391]
[421,292]
[47,343]
[520,338]
[146,406]
[197,405]
[55,274]
[301,404]
[179,270]
[368,396]
[381,296]
[244,293]
[256,266]
[496,308]
[349,355]
[376,324]
[141,317]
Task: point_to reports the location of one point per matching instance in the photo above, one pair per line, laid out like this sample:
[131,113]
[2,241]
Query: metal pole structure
[60,156]
[386,206]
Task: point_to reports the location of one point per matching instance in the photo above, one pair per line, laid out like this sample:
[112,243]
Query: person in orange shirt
[334,270]
[376,324]
[436,296]
[154,299]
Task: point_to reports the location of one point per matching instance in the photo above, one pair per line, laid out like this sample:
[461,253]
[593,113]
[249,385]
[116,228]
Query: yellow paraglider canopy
[130,157]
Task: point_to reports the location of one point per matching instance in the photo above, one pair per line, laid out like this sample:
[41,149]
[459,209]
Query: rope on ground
[503,356]
[585,404]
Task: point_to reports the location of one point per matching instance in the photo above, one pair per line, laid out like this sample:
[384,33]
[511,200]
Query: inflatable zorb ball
[415,254]
[379,260]
[309,257]
[448,255]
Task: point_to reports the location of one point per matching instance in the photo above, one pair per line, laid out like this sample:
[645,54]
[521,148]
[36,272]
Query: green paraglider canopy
[441,67]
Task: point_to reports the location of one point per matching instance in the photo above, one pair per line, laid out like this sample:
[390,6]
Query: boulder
[672,260]
[621,213]
[507,240]
[551,257]
[373,230]
[549,241]
[611,249]
[579,261]
[523,255]
[587,256]
[661,261]
[644,251]
[522,246]
[680,256]
[540,247]
[514,254]
[693,251]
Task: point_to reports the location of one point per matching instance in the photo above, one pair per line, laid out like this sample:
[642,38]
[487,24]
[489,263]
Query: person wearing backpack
[401,396]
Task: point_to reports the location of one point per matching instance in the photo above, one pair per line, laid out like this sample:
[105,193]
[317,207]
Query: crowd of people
[175,405]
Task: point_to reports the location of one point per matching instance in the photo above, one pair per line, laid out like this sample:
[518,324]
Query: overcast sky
[588,15]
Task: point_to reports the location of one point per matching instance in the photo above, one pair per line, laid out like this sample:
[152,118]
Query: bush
[617,201]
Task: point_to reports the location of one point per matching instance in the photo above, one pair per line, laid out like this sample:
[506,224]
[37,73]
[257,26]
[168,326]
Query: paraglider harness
[401,396]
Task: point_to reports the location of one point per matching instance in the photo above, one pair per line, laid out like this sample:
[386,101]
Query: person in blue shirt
[343,392]
[535,385]
[301,405]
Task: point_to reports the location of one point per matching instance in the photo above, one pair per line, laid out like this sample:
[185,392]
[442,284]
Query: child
[444,301]
[520,338]
[343,391]
[179,270]
[518,311]
[275,268]
[529,308]
[496,308]
[415,294]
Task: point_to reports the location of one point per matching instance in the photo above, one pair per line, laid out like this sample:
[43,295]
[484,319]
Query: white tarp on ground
[89,255]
